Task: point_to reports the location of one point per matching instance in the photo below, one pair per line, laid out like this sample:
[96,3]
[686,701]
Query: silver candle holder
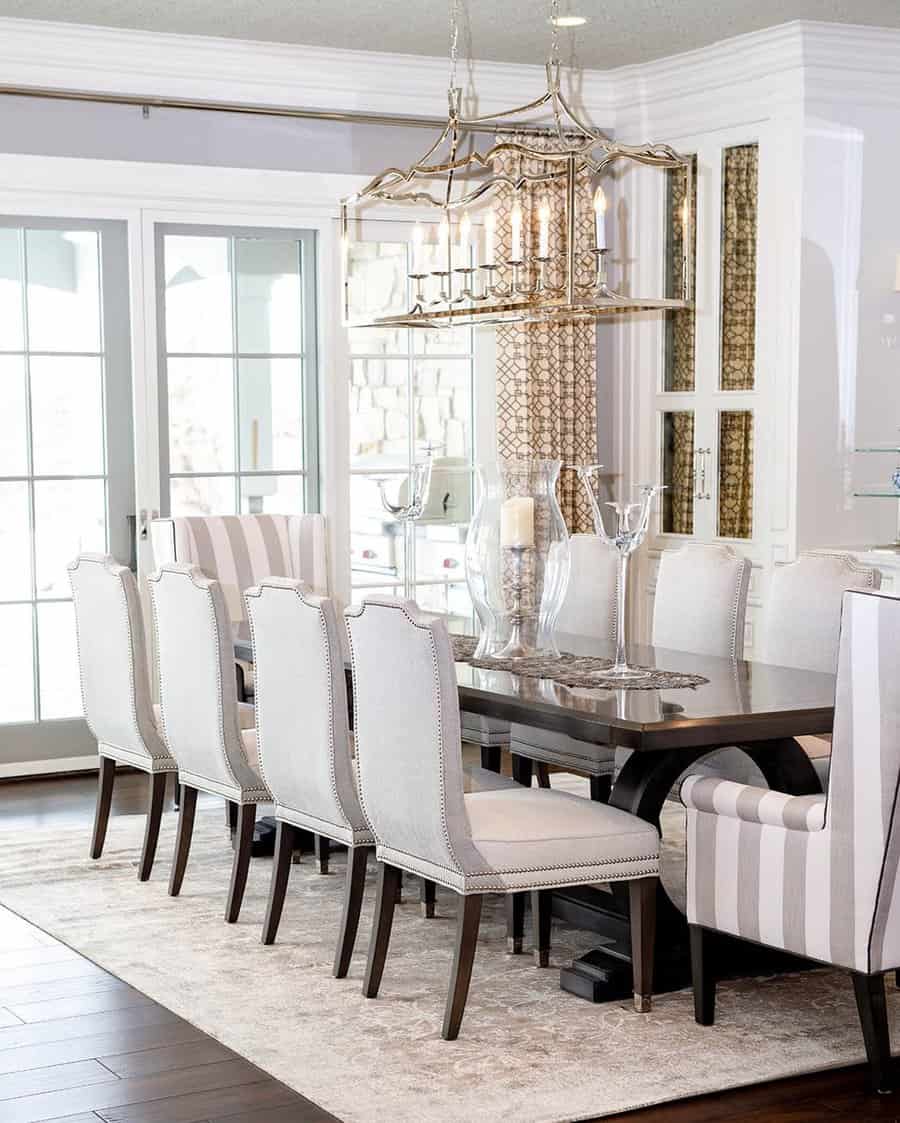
[517,647]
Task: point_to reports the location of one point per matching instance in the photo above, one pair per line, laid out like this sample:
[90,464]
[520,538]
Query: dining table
[758,708]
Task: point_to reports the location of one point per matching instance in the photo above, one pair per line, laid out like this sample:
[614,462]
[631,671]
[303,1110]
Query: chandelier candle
[600,218]
[515,220]
[544,231]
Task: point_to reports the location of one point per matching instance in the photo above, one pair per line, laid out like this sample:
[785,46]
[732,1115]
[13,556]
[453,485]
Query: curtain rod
[340,116]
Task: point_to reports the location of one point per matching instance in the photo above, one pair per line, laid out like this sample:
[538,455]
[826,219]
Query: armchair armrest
[753,805]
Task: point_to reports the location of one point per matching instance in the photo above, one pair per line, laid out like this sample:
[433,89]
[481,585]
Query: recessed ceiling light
[569,21]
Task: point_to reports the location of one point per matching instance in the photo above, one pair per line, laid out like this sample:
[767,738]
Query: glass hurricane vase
[517,558]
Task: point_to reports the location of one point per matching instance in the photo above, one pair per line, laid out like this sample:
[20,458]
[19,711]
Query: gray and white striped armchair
[815,875]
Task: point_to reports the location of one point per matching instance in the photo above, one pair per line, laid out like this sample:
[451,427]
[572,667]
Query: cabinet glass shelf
[878,448]
[877,493]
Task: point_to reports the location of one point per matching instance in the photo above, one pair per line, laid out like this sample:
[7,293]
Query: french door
[66,462]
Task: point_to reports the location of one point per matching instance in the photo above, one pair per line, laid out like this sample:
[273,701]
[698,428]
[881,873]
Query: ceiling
[618,32]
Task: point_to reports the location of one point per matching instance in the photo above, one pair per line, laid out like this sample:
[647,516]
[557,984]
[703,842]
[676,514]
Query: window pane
[442,341]
[678,472]
[203,496]
[277,495]
[450,600]
[376,540]
[201,415]
[60,687]
[443,397]
[198,294]
[15,543]
[736,474]
[680,325]
[13,432]
[271,400]
[739,214]
[63,290]
[69,518]
[12,336]
[16,663]
[440,552]
[67,416]
[378,341]
[379,417]
[268,295]
[376,280]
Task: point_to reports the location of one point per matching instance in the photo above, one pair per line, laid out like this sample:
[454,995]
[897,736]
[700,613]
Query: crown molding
[59,56]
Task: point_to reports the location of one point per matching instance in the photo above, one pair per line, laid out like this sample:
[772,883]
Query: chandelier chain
[454,41]
[554,35]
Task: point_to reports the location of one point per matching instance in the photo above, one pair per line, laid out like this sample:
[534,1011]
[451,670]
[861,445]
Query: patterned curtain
[547,373]
[739,217]
[736,473]
[680,325]
[678,498]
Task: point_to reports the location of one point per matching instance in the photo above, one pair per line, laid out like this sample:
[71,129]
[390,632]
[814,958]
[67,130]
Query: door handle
[702,465]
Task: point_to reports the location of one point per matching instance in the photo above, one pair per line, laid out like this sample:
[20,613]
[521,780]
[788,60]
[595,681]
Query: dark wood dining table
[759,708]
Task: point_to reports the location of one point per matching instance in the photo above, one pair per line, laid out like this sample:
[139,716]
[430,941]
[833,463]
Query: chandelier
[488,255]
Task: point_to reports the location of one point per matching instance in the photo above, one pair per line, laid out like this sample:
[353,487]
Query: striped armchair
[816,875]
[240,550]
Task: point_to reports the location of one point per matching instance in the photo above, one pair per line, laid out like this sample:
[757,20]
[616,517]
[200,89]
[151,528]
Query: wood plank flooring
[78,1045]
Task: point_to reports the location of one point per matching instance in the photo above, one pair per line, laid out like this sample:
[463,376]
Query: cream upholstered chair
[303,740]
[815,875]
[115,690]
[588,610]
[513,840]
[200,724]
[701,600]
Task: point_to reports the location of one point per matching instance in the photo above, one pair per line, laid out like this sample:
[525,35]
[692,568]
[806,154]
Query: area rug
[527,1052]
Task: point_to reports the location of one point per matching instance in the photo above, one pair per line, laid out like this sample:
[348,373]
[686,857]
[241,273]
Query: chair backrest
[803,613]
[197,693]
[112,656]
[860,888]
[302,727]
[406,720]
[701,600]
[590,605]
[240,550]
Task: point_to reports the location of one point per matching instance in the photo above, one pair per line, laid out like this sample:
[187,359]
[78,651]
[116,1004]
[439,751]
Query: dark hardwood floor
[79,1046]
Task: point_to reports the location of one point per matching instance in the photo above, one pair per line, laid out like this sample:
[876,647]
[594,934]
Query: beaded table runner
[583,671]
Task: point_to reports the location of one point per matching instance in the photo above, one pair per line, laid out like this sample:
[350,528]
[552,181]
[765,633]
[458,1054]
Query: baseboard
[55,766]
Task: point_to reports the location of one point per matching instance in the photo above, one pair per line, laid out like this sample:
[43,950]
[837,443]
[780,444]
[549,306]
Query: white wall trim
[19,769]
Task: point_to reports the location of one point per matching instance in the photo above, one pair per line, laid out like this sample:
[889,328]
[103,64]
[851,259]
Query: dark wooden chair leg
[241,864]
[540,919]
[154,818]
[522,768]
[176,792]
[469,918]
[281,871]
[543,775]
[601,786]
[231,815]
[385,901]
[105,778]
[642,902]
[240,683]
[515,922]
[427,897]
[354,887]
[490,757]
[323,851]
[872,1007]
[183,839]
[703,976]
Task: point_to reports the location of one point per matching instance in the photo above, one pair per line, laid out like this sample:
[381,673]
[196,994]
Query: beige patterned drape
[547,373]
[736,473]
[680,325]
[739,220]
[678,498]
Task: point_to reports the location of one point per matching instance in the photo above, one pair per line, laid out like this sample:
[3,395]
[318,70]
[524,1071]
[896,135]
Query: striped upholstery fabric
[240,550]
[816,875]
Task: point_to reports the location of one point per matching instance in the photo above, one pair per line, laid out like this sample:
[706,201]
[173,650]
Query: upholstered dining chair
[303,740]
[115,690]
[815,875]
[409,759]
[198,701]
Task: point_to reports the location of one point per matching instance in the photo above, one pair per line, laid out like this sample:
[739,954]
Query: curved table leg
[642,787]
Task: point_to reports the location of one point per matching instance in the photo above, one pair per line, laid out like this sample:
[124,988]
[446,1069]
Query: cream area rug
[527,1051]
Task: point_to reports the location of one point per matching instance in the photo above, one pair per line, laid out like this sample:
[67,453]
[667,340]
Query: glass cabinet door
[678,472]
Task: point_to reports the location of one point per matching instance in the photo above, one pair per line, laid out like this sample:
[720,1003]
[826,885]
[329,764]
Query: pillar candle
[517,521]
[600,218]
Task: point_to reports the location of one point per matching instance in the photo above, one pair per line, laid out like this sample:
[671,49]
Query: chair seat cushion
[532,838]
[489,732]
[560,748]
[251,750]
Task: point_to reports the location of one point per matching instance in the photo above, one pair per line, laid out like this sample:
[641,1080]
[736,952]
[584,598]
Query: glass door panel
[66,462]
[735,493]
[678,462]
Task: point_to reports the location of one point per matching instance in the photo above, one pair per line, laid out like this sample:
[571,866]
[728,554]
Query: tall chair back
[112,658]
[408,748]
[803,615]
[302,727]
[701,600]
[590,605]
[194,644]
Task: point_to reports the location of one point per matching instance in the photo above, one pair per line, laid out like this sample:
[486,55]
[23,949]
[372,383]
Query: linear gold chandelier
[489,256]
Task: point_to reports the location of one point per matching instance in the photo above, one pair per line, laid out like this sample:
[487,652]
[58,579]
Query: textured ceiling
[618,32]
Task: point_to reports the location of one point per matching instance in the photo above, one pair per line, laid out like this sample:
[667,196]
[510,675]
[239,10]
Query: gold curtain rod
[340,116]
